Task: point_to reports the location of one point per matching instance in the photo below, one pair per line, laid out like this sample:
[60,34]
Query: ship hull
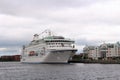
[53,56]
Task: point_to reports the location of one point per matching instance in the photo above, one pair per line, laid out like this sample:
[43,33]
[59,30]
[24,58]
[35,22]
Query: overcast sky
[88,22]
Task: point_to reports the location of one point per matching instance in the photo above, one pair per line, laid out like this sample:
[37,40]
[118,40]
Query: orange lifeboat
[31,53]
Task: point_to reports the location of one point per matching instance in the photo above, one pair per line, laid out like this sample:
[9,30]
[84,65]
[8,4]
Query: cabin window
[62,44]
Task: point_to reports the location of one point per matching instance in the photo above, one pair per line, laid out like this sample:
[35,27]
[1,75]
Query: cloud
[86,21]
[12,21]
[9,51]
[2,49]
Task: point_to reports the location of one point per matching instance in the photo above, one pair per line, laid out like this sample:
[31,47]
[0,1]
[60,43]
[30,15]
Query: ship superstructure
[48,49]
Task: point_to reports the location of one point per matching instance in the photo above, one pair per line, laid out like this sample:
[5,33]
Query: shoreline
[87,61]
[96,61]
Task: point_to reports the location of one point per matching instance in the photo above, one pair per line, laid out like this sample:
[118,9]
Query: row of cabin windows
[59,44]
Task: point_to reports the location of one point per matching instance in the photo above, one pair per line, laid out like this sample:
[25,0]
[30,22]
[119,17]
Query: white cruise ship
[49,49]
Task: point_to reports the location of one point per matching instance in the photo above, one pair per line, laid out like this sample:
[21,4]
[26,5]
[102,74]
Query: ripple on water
[18,71]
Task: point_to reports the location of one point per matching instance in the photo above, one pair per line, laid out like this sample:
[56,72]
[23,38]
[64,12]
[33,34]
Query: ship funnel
[36,37]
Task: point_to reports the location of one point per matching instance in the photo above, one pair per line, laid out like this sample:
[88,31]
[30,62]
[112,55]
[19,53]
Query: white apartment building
[92,51]
[104,51]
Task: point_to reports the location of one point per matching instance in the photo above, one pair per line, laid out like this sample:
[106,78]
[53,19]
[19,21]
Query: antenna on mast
[36,37]
[47,31]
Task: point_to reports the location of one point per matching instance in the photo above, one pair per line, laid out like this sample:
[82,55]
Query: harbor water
[73,71]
